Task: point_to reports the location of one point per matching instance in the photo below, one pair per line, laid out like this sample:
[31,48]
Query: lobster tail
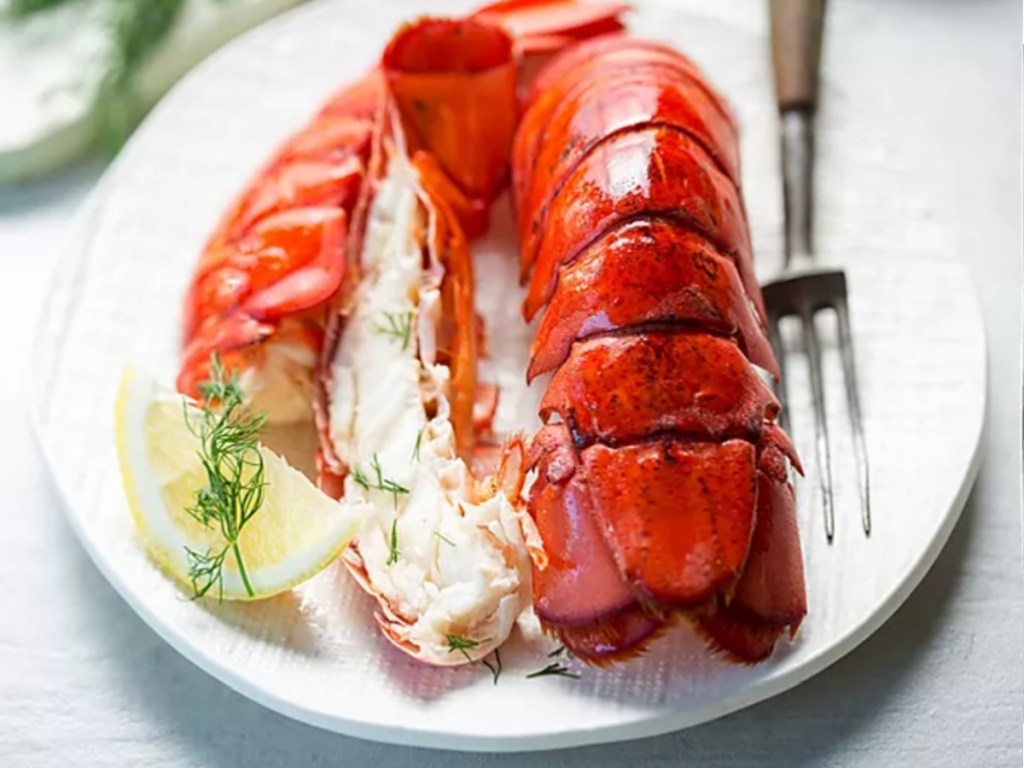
[661,486]
[278,256]
[662,483]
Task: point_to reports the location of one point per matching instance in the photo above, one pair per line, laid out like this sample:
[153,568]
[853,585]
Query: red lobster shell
[662,484]
[278,254]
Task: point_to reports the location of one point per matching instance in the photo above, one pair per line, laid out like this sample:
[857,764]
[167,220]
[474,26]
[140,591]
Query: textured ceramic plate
[313,654]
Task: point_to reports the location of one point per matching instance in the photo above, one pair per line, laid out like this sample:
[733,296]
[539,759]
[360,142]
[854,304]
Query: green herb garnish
[444,538]
[235,481]
[554,669]
[416,448]
[398,327]
[378,482]
[462,644]
[495,667]
[359,477]
[393,544]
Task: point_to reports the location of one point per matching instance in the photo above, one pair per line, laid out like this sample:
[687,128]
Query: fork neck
[797,137]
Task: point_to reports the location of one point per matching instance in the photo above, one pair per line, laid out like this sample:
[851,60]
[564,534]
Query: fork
[804,288]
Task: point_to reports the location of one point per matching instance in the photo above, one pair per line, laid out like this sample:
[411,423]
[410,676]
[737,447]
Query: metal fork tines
[802,295]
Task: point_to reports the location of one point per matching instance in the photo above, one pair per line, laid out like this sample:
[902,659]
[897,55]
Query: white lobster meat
[445,554]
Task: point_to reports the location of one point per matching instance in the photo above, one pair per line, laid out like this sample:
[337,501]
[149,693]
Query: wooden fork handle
[796,28]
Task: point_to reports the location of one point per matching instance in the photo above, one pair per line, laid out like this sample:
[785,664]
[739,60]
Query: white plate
[313,654]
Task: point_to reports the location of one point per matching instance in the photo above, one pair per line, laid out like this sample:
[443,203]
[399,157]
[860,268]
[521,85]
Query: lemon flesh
[296,532]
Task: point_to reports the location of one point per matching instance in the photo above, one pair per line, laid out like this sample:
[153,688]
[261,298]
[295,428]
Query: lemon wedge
[295,532]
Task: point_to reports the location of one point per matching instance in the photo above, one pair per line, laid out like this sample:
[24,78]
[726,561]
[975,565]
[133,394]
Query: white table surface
[85,682]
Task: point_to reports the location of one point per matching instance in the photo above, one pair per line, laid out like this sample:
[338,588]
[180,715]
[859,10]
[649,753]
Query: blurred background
[76,76]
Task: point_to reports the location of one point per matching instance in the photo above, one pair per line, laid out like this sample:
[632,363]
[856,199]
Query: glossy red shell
[662,484]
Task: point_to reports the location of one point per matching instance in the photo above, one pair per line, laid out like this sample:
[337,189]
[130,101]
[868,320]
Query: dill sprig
[554,669]
[393,544]
[444,538]
[495,667]
[359,478]
[398,327]
[462,644]
[378,482]
[416,447]
[559,651]
[235,477]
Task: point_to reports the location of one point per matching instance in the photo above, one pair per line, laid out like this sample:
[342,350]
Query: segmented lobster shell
[662,480]
[278,254]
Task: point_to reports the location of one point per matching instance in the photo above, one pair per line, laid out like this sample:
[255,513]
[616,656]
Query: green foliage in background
[136,26]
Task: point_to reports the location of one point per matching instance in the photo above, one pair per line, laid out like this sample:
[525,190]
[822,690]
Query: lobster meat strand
[662,480]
